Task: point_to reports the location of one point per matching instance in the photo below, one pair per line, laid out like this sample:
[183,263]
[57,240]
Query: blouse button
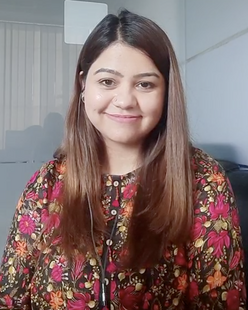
[113,212]
[116,183]
[109,242]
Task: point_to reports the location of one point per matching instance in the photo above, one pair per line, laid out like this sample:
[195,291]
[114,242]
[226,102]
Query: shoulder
[211,184]
[46,182]
[204,165]
[51,171]
[207,171]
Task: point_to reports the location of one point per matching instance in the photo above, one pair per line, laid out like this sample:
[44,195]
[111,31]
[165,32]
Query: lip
[123,118]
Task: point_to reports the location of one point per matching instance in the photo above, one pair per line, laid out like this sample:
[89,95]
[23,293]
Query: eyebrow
[140,75]
[109,71]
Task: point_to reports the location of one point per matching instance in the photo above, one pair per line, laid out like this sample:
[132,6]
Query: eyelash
[150,85]
[113,83]
[103,82]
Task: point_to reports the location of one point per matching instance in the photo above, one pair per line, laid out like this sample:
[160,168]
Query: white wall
[217,76]
[169,15]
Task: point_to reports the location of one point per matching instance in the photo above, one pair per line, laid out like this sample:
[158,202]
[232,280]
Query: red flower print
[111,267]
[52,222]
[79,302]
[235,218]
[180,257]
[56,274]
[78,268]
[220,209]
[26,225]
[232,300]
[214,294]
[235,260]
[8,301]
[218,241]
[193,290]
[147,298]
[182,282]
[130,298]
[199,229]
[129,191]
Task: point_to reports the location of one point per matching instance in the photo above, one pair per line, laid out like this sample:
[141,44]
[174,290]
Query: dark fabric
[239,181]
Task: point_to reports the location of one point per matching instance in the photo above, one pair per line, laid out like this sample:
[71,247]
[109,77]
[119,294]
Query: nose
[125,98]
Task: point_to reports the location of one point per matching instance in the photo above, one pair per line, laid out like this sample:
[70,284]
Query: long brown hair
[162,212]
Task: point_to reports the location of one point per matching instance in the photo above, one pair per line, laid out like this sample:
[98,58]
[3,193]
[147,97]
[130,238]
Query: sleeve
[216,270]
[21,250]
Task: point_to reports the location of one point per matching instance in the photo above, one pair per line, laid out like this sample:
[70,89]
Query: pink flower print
[55,192]
[115,203]
[218,241]
[129,191]
[26,225]
[199,229]
[56,274]
[96,289]
[32,195]
[235,218]
[112,289]
[79,302]
[220,209]
[44,215]
[235,260]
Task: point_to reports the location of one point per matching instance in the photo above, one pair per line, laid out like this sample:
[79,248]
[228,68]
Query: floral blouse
[205,273]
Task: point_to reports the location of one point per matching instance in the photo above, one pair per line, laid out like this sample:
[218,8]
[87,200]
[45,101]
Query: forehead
[125,59]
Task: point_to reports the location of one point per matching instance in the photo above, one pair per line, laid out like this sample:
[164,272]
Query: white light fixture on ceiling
[80,18]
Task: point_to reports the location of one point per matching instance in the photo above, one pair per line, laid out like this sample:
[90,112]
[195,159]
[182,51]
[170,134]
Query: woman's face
[124,95]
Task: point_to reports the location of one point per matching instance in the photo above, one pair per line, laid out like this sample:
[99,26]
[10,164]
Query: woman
[129,215]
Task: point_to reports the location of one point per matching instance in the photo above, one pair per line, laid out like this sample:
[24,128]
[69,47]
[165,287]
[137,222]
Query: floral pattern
[205,273]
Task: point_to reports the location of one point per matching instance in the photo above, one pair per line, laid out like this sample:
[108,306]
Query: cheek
[96,100]
[154,110]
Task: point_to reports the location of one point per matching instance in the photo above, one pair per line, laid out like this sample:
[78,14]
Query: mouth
[123,118]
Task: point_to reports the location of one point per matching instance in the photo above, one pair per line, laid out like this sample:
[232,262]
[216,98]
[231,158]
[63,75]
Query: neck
[121,159]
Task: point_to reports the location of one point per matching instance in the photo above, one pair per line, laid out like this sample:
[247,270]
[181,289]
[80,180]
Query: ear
[81,79]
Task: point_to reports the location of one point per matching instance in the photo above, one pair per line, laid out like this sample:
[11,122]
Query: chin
[124,141]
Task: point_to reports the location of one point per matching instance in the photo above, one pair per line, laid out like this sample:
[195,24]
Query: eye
[145,85]
[107,82]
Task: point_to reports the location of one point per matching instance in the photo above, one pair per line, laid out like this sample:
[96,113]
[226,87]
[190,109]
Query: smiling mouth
[123,118]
